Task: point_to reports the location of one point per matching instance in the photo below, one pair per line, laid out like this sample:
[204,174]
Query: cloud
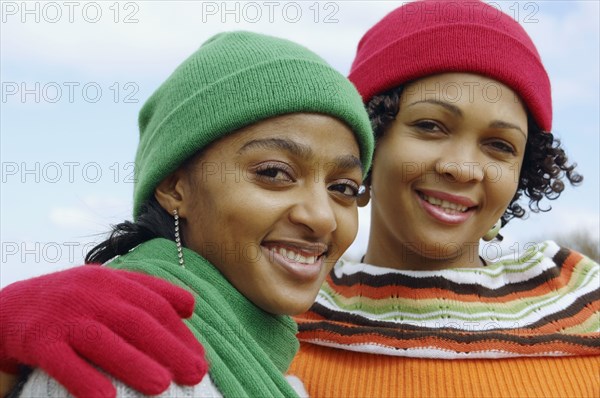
[91,214]
[69,217]
[165,34]
[13,271]
[569,45]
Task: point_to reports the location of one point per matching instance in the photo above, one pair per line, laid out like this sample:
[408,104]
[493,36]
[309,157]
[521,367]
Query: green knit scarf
[248,349]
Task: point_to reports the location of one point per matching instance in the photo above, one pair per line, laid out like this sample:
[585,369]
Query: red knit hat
[429,37]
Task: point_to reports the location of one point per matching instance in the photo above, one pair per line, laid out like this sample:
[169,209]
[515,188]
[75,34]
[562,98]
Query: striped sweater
[536,313]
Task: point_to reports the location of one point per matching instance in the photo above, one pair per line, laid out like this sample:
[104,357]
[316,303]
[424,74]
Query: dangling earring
[178,239]
[494,232]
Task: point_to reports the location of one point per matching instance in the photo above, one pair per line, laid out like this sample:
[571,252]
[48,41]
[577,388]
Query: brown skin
[288,182]
[7,382]
[455,133]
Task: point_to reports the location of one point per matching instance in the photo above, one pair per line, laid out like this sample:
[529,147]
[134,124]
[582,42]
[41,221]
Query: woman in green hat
[247,173]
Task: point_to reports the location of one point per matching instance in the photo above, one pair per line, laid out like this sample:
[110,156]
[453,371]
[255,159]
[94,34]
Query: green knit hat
[234,80]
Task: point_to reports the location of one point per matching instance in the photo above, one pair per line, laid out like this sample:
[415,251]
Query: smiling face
[272,206]
[445,171]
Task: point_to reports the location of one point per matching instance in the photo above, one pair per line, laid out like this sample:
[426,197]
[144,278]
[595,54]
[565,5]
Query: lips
[302,261]
[448,207]
[445,207]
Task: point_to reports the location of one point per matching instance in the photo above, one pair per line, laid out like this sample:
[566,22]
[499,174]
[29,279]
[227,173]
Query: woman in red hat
[461,108]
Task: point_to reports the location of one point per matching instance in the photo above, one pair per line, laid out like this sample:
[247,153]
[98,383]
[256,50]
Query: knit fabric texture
[331,372]
[234,80]
[428,37]
[248,349]
[40,384]
[541,309]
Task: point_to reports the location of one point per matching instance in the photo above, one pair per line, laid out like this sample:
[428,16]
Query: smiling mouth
[448,207]
[303,262]
[306,255]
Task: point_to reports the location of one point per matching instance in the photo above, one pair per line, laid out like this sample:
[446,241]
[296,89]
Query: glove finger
[119,358]
[180,299]
[183,357]
[75,374]
[139,305]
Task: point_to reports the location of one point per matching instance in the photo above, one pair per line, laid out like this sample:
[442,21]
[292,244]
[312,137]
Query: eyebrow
[295,148]
[452,108]
[344,162]
[496,124]
[347,162]
[499,124]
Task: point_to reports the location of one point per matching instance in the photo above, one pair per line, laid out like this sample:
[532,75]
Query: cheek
[504,181]
[401,159]
[214,212]
[385,168]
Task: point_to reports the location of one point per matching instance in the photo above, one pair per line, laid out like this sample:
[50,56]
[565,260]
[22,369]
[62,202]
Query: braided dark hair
[545,163]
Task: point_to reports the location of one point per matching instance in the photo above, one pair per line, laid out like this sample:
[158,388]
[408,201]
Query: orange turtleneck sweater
[524,327]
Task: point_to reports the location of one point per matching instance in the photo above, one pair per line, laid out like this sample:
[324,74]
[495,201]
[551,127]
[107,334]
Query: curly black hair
[545,163]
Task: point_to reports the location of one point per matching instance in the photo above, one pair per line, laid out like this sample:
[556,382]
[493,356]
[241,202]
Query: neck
[386,251]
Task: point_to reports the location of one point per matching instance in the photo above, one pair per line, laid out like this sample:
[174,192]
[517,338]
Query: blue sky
[73,80]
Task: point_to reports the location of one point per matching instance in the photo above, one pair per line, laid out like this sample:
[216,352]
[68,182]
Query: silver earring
[493,232]
[178,239]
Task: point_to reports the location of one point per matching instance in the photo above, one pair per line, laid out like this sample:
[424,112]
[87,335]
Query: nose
[314,211]
[461,163]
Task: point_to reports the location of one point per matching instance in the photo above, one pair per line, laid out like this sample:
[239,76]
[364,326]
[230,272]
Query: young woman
[247,174]
[461,107]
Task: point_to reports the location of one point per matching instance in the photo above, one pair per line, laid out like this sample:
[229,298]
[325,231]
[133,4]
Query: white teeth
[294,256]
[291,255]
[450,207]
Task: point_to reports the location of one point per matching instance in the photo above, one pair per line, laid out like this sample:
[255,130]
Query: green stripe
[510,265]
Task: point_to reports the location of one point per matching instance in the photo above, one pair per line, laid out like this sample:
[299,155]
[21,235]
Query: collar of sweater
[215,298]
[544,303]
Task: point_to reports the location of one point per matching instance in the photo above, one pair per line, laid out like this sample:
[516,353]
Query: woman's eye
[503,147]
[428,126]
[349,189]
[274,173]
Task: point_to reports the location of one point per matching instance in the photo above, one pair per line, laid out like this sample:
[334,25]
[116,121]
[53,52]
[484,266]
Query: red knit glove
[126,323]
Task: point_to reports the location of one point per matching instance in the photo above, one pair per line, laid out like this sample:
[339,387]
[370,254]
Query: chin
[290,307]
[300,310]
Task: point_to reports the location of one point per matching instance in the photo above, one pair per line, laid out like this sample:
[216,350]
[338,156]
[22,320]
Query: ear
[170,193]
[364,195]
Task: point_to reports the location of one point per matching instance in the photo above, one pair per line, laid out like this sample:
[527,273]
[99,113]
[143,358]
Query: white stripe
[429,352]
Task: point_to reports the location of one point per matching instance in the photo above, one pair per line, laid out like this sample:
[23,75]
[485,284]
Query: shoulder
[544,254]
[40,384]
